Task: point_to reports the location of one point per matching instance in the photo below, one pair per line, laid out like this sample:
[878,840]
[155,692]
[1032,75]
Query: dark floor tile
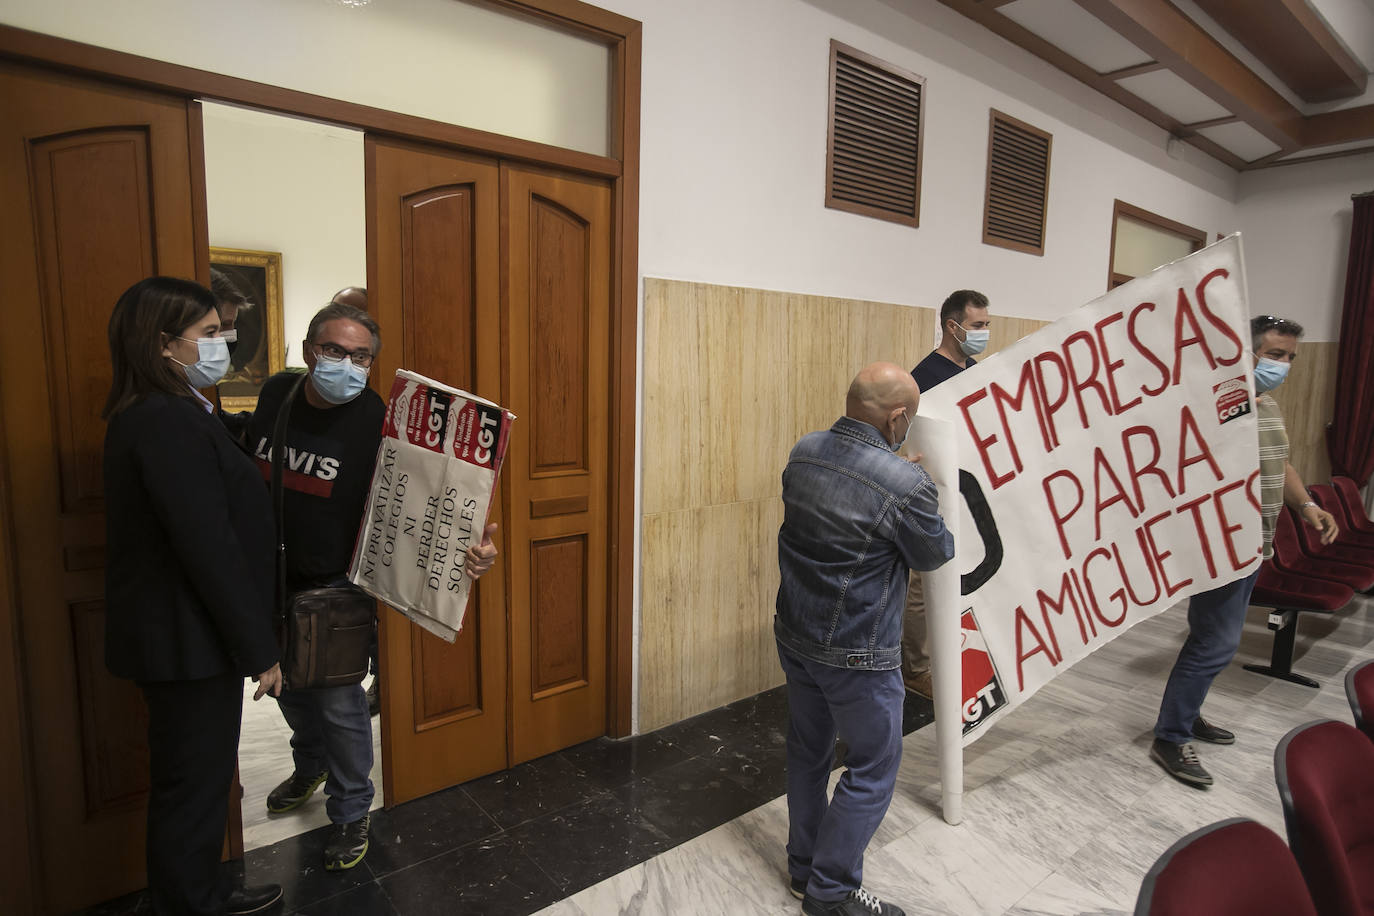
[128,905]
[531,790]
[424,828]
[297,864]
[607,762]
[587,843]
[686,800]
[364,900]
[491,876]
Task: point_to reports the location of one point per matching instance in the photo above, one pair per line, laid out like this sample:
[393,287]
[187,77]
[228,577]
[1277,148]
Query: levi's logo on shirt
[304,471]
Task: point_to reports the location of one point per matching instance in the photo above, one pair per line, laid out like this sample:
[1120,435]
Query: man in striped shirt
[1216,617]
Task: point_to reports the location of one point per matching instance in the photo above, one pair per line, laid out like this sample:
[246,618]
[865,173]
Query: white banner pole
[936,441]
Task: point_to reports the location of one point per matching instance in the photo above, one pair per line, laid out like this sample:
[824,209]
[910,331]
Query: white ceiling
[1171,94]
[1241,139]
[1068,27]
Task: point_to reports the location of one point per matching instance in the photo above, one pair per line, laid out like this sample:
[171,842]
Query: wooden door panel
[556,246]
[433,282]
[96,184]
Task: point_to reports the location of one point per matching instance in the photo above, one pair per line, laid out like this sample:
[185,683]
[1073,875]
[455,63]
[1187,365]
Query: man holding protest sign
[332,437]
[1216,617]
[856,519]
[964,323]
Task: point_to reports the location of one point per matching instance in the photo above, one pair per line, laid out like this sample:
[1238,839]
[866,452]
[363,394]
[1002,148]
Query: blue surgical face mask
[1269,374]
[974,342]
[213,363]
[338,381]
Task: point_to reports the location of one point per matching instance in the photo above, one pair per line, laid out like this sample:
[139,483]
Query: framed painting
[261,348]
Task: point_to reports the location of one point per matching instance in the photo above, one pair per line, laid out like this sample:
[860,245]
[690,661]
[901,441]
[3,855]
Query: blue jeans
[827,838]
[331,728]
[1215,621]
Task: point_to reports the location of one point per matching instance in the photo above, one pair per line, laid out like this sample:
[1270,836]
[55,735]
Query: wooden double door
[483,275]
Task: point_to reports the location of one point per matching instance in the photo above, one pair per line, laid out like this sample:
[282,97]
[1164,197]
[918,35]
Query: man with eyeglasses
[1216,617]
[332,437]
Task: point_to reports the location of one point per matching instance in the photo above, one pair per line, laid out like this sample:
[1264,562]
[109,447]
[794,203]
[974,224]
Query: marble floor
[1063,812]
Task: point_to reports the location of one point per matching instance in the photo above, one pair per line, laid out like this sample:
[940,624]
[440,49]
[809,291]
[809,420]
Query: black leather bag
[326,633]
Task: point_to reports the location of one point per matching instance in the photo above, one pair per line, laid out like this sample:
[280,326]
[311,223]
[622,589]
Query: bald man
[856,519]
[355,296]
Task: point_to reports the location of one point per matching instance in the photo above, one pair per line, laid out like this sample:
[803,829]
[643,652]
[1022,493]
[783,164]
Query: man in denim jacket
[856,519]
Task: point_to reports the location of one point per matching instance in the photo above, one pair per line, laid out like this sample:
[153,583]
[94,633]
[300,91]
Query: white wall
[1296,224]
[281,184]
[451,61]
[733,163]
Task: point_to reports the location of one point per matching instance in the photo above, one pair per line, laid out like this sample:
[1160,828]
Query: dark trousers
[1216,619]
[193,737]
[827,837]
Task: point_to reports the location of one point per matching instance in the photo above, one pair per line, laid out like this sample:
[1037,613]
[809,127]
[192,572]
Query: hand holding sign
[480,557]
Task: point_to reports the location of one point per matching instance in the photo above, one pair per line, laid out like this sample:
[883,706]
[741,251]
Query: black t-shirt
[328,472]
[937,368]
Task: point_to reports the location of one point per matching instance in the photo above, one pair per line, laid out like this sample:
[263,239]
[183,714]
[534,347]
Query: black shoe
[374,698]
[858,903]
[347,844]
[797,888]
[1180,761]
[294,792]
[252,899]
[1206,731]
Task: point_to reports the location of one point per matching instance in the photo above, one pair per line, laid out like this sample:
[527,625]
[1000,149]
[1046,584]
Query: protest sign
[436,474]
[1107,469]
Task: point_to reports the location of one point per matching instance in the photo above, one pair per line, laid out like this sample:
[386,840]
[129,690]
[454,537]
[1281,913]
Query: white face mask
[905,436]
[974,342]
[213,363]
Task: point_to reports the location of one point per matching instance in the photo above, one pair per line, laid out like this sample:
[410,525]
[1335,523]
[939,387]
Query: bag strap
[278,496]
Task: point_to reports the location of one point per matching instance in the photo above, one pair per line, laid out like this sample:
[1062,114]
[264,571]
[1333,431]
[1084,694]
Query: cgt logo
[983,694]
[1233,399]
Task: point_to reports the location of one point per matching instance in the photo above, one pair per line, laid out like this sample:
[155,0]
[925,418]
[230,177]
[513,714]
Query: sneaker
[374,698]
[1206,731]
[294,792]
[859,903]
[797,888]
[1180,761]
[347,844]
[245,900]
[920,684]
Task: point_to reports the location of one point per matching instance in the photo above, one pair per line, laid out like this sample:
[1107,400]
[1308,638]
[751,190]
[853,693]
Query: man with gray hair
[856,519]
[332,437]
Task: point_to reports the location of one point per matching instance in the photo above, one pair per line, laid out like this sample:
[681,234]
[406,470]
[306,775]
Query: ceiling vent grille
[873,152]
[1018,185]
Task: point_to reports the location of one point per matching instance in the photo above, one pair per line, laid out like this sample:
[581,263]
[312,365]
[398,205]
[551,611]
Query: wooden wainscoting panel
[710,579]
[1308,399]
[1007,331]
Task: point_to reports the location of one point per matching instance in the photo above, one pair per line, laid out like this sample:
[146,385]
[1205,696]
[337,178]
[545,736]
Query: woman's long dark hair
[146,311]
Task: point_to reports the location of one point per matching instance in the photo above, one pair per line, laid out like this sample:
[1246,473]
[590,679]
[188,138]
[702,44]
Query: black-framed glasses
[1262,323]
[335,353]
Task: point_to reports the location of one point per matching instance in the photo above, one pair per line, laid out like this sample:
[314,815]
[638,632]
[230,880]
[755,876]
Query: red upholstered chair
[1288,594]
[1289,557]
[1355,513]
[1231,867]
[1325,775]
[1327,497]
[1359,690]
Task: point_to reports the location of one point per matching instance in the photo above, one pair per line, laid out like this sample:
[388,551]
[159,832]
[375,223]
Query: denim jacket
[856,518]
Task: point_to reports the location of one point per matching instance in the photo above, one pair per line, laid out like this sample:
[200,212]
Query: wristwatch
[1308,503]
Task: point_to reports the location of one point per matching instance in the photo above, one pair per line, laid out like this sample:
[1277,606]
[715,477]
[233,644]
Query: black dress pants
[193,737]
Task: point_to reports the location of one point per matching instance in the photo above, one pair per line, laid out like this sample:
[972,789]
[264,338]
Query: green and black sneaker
[294,792]
[347,844]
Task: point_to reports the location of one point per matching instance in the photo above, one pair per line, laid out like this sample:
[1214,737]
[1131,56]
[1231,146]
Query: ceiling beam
[1341,126]
[1161,30]
[1295,43]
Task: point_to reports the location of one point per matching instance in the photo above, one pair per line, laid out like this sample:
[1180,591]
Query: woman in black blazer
[189,582]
